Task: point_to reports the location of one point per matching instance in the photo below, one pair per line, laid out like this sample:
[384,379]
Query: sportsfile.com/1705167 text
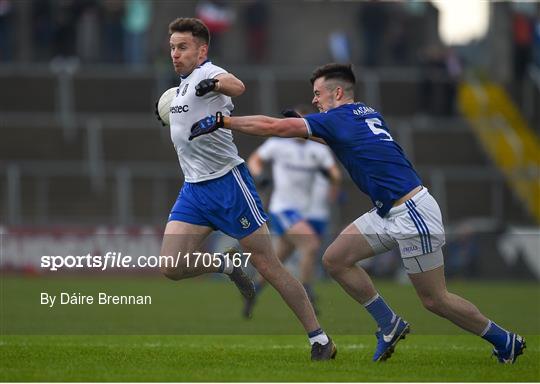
[118,260]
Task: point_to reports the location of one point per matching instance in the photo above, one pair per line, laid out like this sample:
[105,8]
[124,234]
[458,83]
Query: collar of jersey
[182,77]
[345,105]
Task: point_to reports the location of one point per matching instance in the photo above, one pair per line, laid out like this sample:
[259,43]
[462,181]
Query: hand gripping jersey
[210,156]
[295,163]
[362,142]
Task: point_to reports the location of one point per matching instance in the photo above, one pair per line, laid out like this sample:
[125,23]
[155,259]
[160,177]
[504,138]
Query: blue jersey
[362,142]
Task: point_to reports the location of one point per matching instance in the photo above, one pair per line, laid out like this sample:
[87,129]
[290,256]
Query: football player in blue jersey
[218,192]
[405,215]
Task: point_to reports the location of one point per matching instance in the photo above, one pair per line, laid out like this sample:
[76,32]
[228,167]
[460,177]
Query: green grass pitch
[193,332]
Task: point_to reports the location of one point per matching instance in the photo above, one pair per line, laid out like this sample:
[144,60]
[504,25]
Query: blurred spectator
[65,15]
[42,32]
[441,72]
[6,30]
[256,20]
[395,37]
[522,37]
[87,41]
[136,22]
[397,44]
[340,47]
[433,67]
[418,29]
[112,32]
[454,69]
[536,43]
[218,17]
[372,20]
[429,26]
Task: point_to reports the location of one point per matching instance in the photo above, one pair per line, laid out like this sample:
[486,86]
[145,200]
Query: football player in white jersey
[295,166]
[324,191]
[218,192]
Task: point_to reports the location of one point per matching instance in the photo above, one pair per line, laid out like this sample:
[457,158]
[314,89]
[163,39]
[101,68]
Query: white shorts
[415,226]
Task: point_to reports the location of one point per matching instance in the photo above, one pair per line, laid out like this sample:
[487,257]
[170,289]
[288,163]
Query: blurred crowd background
[81,151]
[368,33]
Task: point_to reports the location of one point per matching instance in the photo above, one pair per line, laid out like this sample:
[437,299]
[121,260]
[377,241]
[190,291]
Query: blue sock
[314,333]
[496,335]
[381,312]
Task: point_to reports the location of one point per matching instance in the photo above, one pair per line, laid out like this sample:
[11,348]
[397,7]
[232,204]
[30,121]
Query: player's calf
[173,273]
[436,305]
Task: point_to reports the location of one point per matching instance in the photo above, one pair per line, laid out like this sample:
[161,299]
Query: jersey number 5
[374,124]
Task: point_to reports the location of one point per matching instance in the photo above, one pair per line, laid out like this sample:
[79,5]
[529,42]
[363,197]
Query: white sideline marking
[172,344]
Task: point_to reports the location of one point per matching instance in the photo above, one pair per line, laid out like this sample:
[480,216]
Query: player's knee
[435,304]
[331,262]
[336,258]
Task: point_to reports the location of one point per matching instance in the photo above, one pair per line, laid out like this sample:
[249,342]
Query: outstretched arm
[252,125]
[260,125]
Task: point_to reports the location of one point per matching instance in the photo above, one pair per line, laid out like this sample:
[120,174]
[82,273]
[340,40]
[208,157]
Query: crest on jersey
[185,89]
[244,221]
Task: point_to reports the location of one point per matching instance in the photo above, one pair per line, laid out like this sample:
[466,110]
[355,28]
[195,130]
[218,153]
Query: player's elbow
[241,88]
[238,89]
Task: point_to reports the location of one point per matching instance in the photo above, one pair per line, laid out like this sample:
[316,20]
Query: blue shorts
[282,221]
[319,226]
[229,203]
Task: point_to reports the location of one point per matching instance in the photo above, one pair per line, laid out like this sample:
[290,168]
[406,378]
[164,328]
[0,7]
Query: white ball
[164,104]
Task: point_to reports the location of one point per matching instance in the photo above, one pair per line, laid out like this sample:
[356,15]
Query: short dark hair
[336,71]
[190,24]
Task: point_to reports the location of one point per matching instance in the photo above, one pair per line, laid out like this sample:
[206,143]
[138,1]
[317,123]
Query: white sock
[371,300]
[488,326]
[320,338]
